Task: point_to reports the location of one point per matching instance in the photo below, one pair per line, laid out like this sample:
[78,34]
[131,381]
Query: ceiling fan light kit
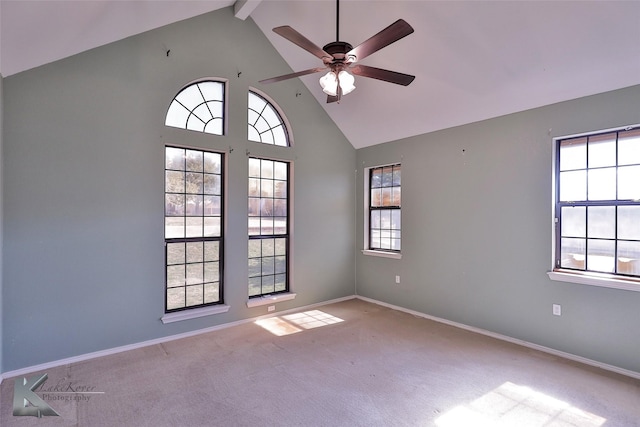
[340,58]
[330,83]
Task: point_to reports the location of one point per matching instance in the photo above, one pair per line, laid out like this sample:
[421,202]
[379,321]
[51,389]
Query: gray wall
[83,192]
[476,229]
[1,215]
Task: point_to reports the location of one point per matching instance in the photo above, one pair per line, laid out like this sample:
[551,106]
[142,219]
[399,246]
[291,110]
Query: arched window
[199,107]
[266,122]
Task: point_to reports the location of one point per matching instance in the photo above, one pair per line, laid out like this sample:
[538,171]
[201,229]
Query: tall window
[384,208]
[598,203]
[199,107]
[268,227]
[265,123]
[193,228]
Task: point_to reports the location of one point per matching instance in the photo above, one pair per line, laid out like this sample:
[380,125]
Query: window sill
[270,299]
[605,281]
[195,313]
[382,254]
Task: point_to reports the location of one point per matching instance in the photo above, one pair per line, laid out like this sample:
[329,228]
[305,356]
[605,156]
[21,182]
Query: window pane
[574,221]
[279,225]
[175,253]
[255,267]
[195,295]
[212,163]
[268,284]
[174,158]
[387,176]
[629,183]
[193,227]
[194,160]
[385,219]
[280,247]
[602,150]
[629,222]
[268,265]
[280,282]
[211,293]
[194,205]
[190,97]
[211,272]
[175,298]
[174,182]
[376,178]
[255,287]
[376,197]
[280,189]
[194,183]
[629,147]
[211,251]
[195,252]
[573,186]
[395,219]
[601,255]
[177,115]
[211,184]
[629,258]
[195,273]
[602,184]
[173,227]
[573,154]
[254,168]
[602,222]
[375,219]
[203,113]
[572,253]
[397,172]
[212,226]
[175,275]
[174,205]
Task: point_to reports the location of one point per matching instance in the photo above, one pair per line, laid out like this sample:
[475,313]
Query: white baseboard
[115,350]
[605,366]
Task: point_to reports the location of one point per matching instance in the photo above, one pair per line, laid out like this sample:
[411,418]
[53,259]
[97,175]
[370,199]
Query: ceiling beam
[243,8]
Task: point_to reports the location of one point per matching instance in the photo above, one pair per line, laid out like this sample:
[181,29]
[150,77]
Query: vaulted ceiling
[473,60]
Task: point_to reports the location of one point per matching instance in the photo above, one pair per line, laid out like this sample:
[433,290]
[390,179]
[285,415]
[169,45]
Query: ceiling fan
[340,58]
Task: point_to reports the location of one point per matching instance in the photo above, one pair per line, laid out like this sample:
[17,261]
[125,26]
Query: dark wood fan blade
[292,75]
[380,74]
[391,34]
[295,37]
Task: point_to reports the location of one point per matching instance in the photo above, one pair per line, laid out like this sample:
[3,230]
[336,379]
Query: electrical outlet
[397,279]
[557,310]
[271,308]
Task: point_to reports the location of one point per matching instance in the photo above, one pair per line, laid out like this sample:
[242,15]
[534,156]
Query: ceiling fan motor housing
[339,52]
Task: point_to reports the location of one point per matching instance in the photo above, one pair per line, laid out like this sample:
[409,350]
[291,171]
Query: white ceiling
[473,60]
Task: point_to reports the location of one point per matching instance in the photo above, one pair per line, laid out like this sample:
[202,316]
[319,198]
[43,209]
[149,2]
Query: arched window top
[266,122]
[199,107]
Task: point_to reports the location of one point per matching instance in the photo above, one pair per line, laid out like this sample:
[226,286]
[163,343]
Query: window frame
[367,249]
[284,294]
[225,102]
[584,276]
[283,121]
[197,310]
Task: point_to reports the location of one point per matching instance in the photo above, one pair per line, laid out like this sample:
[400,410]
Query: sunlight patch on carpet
[297,322]
[511,405]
